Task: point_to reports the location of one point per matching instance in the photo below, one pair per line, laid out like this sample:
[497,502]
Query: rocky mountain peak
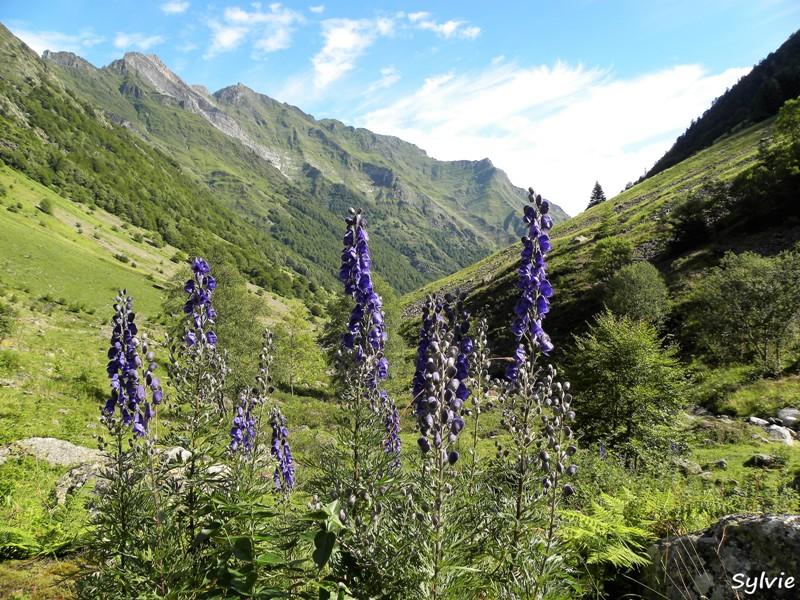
[68,59]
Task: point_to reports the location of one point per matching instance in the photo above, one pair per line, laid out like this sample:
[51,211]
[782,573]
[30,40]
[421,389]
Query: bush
[123,258]
[748,307]
[608,256]
[638,291]
[631,387]
[7,319]
[46,206]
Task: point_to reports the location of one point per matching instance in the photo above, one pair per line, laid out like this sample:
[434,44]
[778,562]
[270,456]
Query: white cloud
[137,40]
[558,128]
[175,7]
[39,41]
[447,29]
[270,30]
[389,76]
[346,40]
[318,9]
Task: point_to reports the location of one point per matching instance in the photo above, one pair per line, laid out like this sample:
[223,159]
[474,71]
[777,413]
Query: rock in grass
[780,434]
[73,480]
[703,565]
[757,421]
[762,461]
[56,452]
[688,467]
[789,416]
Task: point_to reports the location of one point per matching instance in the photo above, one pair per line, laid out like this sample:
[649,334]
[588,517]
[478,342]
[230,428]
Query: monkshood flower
[366,331]
[366,335]
[243,431]
[391,419]
[128,389]
[440,384]
[535,289]
[284,476]
[202,315]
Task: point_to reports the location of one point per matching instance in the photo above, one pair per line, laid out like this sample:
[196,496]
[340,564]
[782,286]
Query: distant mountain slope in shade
[756,96]
[294,176]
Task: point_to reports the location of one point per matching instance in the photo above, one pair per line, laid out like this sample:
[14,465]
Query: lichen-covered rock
[74,479]
[710,565]
[54,451]
[687,467]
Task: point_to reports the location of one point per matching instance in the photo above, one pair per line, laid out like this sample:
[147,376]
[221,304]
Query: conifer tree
[597,196]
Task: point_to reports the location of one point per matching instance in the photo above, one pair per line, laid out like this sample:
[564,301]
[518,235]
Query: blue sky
[556,93]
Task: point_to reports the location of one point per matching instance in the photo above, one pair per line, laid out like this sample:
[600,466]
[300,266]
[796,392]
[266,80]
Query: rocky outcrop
[727,561]
[68,59]
[158,76]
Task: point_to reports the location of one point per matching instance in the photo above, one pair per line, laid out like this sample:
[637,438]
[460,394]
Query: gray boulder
[757,421]
[789,416]
[74,479]
[52,451]
[687,467]
[708,565]
[780,434]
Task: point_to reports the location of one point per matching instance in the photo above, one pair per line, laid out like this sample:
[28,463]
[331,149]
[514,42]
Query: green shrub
[46,206]
[631,388]
[608,256]
[124,258]
[748,308]
[7,319]
[638,291]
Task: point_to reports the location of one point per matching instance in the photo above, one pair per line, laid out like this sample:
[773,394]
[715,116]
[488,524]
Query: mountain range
[268,179]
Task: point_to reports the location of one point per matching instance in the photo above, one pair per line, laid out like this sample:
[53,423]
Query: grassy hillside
[638,215]
[58,140]
[294,176]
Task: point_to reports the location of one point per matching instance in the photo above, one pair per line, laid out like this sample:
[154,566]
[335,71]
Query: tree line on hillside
[755,97]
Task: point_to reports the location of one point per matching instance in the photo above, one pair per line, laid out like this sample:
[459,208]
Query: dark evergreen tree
[597,196]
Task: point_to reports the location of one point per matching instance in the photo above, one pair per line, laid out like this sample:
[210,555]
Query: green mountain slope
[293,175]
[62,141]
[757,96]
[639,215]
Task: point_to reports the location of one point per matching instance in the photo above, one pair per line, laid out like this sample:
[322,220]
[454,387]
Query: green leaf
[243,548]
[324,542]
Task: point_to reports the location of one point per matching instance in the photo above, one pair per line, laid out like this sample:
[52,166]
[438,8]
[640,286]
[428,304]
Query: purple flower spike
[128,389]
[535,289]
[366,335]
[201,314]
[284,475]
[442,371]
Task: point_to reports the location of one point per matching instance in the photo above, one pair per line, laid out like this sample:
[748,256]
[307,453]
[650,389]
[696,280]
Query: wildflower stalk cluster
[205,513]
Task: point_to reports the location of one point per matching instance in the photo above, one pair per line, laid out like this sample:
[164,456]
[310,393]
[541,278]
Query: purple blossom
[535,289]
[366,332]
[366,335]
[440,382]
[128,390]
[243,431]
[201,313]
[284,475]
